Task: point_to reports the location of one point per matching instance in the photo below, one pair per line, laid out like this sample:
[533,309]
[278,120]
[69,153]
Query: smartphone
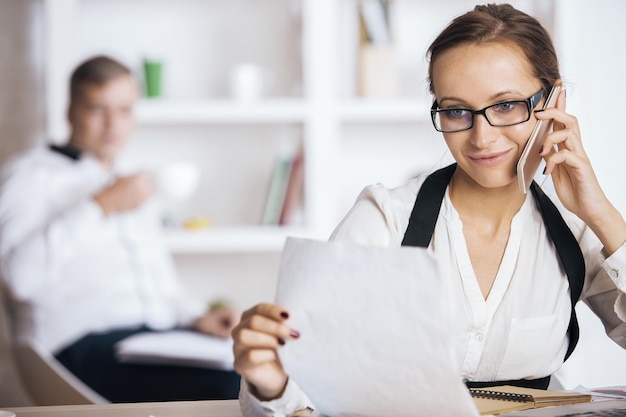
[530,160]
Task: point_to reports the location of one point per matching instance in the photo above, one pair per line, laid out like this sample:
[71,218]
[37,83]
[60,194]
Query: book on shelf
[377,64]
[294,193]
[506,398]
[374,17]
[285,190]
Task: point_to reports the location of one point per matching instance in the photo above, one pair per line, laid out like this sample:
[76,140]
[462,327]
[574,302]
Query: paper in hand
[375,331]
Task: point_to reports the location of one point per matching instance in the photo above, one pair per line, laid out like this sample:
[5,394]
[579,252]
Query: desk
[221,408]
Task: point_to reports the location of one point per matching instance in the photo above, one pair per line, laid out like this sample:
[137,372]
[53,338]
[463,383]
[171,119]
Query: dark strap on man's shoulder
[426,209]
[424,216]
[70,151]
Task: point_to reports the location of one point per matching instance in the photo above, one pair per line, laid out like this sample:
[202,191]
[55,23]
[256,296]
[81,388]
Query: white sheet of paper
[376,336]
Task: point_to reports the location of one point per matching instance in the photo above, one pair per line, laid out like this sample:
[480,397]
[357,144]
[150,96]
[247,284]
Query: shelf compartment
[408,110]
[176,112]
[243,239]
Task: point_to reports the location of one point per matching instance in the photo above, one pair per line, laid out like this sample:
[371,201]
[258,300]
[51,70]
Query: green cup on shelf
[153,76]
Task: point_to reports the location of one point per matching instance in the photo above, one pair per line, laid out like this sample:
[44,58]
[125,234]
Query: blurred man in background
[83,259]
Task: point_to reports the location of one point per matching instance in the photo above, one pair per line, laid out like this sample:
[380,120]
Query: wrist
[269,394]
[610,228]
[101,202]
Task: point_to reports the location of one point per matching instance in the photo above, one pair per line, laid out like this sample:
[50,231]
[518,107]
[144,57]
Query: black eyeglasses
[506,113]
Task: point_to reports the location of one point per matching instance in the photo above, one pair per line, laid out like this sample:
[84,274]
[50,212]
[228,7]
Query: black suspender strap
[426,211]
[569,254]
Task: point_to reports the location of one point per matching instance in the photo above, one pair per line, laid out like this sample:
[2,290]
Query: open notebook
[506,398]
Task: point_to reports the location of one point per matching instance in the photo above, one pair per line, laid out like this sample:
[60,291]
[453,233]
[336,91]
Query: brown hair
[500,22]
[98,70]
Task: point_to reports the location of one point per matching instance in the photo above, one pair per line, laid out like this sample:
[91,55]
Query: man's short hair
[97,70]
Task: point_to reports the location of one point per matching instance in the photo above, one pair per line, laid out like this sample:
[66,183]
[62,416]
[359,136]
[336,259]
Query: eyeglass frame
[531,103]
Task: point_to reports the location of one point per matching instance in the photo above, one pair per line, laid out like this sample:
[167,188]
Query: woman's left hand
[573,176]
[575,181]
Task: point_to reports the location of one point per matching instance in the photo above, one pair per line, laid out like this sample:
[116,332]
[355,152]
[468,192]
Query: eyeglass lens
[501,114]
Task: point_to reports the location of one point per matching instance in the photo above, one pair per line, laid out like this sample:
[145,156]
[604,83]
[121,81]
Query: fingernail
[294,333]
[541,149]
[280,341]
[284,314]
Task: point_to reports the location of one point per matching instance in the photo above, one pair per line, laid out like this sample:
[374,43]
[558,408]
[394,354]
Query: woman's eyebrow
[456,100]
[492,99]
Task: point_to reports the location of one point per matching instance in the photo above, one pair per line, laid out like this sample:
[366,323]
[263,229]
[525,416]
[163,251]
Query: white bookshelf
[229,240]
[404,110]
[205,112]
[349,141]
[316,105]
[311,45]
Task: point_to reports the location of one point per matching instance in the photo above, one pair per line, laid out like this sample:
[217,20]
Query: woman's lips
[489,159]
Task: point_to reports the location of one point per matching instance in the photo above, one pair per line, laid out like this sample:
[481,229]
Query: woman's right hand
[257,337]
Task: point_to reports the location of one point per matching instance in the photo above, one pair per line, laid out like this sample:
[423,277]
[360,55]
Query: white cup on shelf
[250,82]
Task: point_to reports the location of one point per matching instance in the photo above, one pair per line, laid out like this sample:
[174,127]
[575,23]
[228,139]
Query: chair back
[44,379]
[47,381]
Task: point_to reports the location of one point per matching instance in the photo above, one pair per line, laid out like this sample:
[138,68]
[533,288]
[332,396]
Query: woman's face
[476,76]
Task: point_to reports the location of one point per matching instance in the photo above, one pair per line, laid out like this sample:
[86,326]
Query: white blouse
[520,330]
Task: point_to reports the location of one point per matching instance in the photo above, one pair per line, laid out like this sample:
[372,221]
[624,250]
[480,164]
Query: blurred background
[245,85]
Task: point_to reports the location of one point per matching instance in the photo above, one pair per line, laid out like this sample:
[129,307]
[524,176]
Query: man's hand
[126,193]
[220,321]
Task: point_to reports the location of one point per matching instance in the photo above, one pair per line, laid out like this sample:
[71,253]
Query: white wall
[21,75]
[21,124]
[590,36]
[591,39]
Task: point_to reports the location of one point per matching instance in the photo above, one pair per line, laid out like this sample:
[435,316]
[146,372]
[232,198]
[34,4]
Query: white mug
[178,181]
[249,82]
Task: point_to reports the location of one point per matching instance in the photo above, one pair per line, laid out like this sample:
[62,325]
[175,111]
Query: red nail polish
[280,341]
[541,149]
[284,314]
[294,333]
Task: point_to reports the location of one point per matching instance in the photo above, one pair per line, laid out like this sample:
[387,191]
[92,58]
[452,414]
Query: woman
[515,267]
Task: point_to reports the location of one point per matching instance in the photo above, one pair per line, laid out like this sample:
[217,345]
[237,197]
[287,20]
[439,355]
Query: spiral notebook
[505,398]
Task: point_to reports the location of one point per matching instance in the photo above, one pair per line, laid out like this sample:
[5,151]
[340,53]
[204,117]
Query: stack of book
[285,194]
[378,74]
[375,22]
